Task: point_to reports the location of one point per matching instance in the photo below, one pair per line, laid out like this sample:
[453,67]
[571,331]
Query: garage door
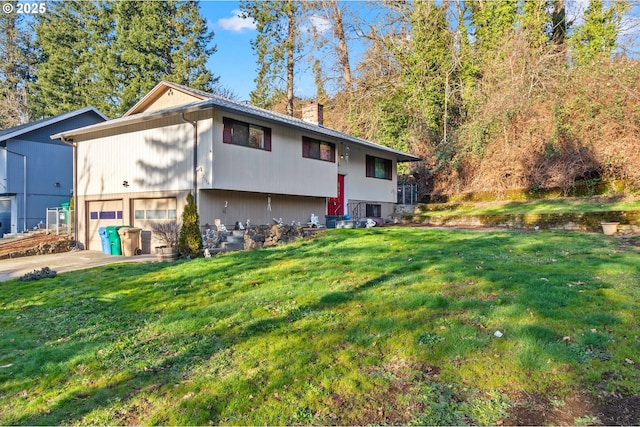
[147,212]
[102,214]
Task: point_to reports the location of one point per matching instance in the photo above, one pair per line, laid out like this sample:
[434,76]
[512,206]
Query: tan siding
[148,159]
[205,153]
[360,187]
[232,206]
[156,159]
[171,98]
[168,98]
[282,170]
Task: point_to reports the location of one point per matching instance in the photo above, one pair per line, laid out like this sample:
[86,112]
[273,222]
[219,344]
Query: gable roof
[158,90]
[19,130]
[210,100]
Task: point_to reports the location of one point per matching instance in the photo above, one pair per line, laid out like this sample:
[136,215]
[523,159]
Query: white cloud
[236,23]
[320,24]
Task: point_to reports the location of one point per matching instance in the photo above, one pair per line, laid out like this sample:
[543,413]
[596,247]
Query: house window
[374,211]
[378,168]
[245,134]
[320,150]
[151,214]
[94,216]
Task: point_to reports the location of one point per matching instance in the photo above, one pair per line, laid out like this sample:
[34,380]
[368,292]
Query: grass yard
[380,326]
[559,205]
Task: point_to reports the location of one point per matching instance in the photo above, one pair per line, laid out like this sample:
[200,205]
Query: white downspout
[195,158]
[74,146]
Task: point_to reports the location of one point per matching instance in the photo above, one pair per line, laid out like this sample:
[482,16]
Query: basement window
[374,211]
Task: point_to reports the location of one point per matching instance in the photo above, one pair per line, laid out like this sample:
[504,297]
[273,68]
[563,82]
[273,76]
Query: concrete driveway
[68,261]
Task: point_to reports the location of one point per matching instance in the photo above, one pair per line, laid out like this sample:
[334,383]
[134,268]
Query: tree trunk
[559,22]
[343,52]
[291,43]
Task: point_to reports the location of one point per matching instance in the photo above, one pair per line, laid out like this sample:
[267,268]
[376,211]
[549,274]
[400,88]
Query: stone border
[575,221]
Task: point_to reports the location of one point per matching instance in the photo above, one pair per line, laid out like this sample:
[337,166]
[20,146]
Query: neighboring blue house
[48,164]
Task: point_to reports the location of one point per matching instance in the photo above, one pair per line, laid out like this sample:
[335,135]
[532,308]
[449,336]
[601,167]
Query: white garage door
[147,212]
[102,214]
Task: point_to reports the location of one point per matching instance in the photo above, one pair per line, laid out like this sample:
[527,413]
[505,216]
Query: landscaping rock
[254,237]
[44,273]
[38,244]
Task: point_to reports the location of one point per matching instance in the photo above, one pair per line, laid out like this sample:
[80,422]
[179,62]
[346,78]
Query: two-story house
[240,162]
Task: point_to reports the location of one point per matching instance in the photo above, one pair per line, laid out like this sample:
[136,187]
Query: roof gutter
[129,120]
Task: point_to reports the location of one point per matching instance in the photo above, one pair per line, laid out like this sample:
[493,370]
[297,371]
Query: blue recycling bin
[104,239]
[331,220]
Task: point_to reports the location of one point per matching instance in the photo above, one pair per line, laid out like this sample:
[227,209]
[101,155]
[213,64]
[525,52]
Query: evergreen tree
[493,23]
[109,54]
[156,40]
[190,240]
[535,22]
[16,62]
[597,36]
[429,65]
[67,61]
[192,47]
[276,46]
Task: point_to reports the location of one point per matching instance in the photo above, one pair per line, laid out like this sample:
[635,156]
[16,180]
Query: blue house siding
[49,167]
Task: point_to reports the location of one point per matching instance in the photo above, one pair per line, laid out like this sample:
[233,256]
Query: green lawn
[380,326]
[560,205]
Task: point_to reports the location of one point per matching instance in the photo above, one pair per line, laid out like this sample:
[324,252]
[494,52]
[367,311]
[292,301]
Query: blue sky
[235,62]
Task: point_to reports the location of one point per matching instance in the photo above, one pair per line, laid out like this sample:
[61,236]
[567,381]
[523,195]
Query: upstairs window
[319,150]
[378,168]
[245,134]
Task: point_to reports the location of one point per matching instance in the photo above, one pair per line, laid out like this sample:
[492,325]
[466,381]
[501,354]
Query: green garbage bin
[65,212]
[114,239]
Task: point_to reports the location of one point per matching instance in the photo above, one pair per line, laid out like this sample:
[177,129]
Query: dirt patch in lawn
[616,410]
[630,241]
[577,409]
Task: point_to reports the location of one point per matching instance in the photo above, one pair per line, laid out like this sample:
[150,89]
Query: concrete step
[346,224]
[230,246]
[235,239]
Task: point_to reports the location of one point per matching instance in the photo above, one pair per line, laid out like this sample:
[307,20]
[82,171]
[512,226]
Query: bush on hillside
[190,240]
[572,127]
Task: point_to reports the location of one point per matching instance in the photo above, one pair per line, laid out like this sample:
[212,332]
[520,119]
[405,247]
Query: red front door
[336,204]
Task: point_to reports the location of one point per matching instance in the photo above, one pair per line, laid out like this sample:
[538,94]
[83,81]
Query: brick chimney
[313,113]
